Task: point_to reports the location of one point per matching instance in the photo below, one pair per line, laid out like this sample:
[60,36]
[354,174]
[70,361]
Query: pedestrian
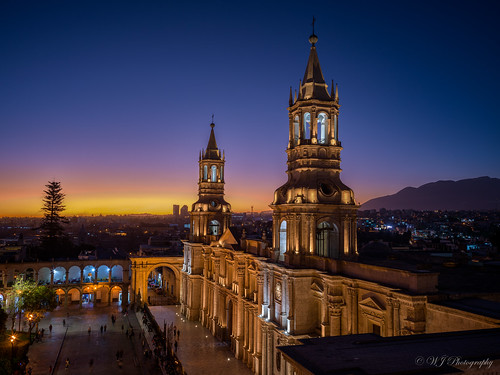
[102,328]
[123,327]
[178,333]
[67,363]
[64,322]
[117,355]
[175,345]
[43,331]
[50,328]
[105,328]
[89,330]
[91,364]
[50,369]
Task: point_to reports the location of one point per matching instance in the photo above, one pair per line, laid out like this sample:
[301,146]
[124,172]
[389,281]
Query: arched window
[205,173]
[327,240]
[307,125]
[322,117]
[222,173]
[214,228]
[282,239]
[214,174]
[296,130]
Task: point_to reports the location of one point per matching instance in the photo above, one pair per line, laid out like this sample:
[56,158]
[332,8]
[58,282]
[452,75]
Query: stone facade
[308,284]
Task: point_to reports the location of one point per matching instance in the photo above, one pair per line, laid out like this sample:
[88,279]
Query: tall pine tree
[52,223]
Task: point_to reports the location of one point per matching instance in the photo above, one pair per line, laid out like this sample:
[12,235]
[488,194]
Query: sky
[114,98]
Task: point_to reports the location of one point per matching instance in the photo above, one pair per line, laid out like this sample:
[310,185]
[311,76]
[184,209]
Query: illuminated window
[222,173]
[282,239]
[296,130]
[214,174]
[307,125]
[205,173]
[327,240]
[322,117]
[214,228]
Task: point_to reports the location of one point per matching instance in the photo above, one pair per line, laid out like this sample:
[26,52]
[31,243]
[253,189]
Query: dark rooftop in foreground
[372,354]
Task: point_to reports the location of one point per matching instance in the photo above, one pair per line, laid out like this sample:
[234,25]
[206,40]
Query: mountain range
[482,193]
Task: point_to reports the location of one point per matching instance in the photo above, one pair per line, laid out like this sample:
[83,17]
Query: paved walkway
[199,352]
[80,347]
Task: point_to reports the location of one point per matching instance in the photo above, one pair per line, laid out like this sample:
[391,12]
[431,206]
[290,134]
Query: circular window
[213,203]
[326,189]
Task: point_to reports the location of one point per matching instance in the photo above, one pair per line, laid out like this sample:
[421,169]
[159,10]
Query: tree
[54,243]
[53,206]
[14,297]
[36,302]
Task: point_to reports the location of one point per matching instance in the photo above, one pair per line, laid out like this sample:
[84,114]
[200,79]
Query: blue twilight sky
[114,98]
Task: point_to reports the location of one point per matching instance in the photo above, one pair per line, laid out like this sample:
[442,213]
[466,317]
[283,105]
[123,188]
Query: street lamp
[30,319]
[12,339]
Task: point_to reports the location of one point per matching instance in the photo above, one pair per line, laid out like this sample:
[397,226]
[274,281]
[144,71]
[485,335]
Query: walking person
[91,364]
[89,330]
[50,328]
[105,328]
[102,328]
[64,322]
[67,364]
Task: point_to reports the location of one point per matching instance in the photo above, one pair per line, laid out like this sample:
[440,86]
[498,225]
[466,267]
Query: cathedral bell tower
[210,214]
[314,213]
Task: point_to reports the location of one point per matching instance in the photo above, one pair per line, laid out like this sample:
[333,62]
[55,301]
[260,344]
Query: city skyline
[116,102]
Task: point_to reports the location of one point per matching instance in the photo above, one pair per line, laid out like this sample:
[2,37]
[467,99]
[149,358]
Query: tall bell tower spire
[314,213]
[210,214]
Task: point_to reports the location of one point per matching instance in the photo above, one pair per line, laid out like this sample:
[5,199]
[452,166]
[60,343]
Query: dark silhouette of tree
[53,206]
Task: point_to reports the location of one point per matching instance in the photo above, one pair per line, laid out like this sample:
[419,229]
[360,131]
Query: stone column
[270,352]
[258,343]
[336,320]
[82,278]
[290,322]
[390,317]
[353,299]
[314,127]
[312,234]
[325,323]
[67,277]
[396,318]
[52,276]
[264,349]
[109,275]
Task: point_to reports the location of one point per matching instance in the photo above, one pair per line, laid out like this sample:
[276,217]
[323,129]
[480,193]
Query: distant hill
[482,193]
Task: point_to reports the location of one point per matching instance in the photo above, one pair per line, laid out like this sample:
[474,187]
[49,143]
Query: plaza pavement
[199,352]
[75,343]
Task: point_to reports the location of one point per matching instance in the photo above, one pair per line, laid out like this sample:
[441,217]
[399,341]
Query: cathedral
[308,283]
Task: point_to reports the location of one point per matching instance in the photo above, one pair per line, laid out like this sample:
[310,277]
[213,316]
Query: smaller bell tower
[210,214]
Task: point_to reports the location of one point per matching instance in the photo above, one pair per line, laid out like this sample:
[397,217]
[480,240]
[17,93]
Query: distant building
[184,211]
[175,210]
